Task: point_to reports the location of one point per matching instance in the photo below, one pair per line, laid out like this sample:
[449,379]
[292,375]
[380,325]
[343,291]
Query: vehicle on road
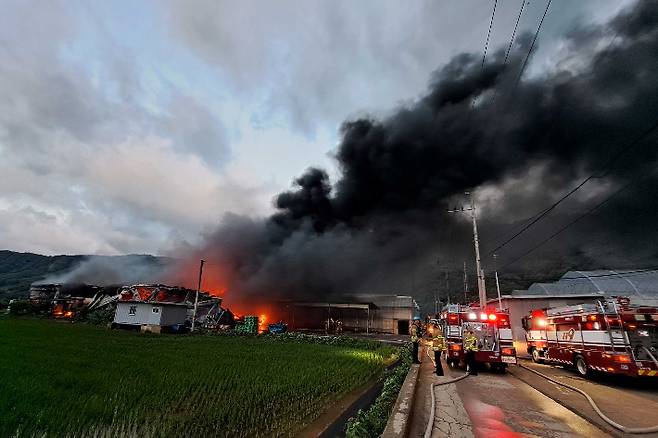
[610,336]
[490,326]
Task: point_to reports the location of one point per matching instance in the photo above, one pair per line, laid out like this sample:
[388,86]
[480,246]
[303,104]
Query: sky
[136,127]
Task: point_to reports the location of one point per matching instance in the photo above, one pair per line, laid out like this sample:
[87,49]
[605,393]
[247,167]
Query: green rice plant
[61,379]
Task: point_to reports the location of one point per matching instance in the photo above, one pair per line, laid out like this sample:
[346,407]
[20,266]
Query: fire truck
[610,336]
[490,326]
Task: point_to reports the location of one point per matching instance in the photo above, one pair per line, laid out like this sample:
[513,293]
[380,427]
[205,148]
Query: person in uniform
[416,335]
[470,347]
[439,346]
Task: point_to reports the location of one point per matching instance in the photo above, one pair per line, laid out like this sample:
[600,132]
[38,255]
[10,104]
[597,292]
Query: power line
[588,212]
[532,46]
[514,228]
[516,26]
[486,44]
[605,171]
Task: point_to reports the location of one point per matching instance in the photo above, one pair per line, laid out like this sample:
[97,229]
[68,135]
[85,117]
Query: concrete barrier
[400,418]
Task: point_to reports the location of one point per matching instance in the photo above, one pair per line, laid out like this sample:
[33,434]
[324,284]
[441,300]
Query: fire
[186,273]
[217,280]
[262,323]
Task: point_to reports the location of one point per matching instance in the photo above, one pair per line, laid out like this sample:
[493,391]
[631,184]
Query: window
[155,310]
[132,311]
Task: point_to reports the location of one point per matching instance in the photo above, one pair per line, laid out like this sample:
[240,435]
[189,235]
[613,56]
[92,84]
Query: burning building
[68,299]
[158,307]
[359,313]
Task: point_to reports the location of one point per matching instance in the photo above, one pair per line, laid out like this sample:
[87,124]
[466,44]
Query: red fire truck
[490,326]
[610,336]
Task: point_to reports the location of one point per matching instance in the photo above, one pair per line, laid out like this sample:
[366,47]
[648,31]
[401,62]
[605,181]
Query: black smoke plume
[382,225]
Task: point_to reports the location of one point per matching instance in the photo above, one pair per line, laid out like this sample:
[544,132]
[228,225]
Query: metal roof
[638,284]
[388,300]
[363,306]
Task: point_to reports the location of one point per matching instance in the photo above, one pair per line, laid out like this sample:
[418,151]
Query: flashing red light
[455,347]
[507,351]
[622,358]
[492,317]
[452,318]
[541,322]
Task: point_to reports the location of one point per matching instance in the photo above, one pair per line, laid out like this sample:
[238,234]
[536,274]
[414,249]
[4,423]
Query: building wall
[385,319]
[172,315]
[135,313]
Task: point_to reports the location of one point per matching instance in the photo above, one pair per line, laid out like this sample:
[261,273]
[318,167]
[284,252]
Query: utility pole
[196,297]
[465,284]
[500,301]
[438,282]
[476,242]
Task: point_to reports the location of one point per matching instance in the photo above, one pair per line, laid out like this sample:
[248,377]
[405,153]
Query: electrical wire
[486,43]
[604,171]
[552,236]
[513,229]
[532,45]
[516,26]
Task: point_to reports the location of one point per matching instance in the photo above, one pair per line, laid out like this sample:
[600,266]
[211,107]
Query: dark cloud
[386,213]
[312,64]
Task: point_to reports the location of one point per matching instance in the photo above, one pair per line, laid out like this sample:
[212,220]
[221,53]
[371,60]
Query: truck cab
[490,326]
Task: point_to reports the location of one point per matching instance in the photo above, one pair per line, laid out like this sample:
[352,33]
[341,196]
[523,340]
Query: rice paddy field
[63,379]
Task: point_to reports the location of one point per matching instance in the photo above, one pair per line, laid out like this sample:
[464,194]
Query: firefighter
[416,335]
[439,346]
[470,347]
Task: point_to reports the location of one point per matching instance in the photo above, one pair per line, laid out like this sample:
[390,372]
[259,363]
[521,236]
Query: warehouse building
[357,313]
[393,313]
[577,287]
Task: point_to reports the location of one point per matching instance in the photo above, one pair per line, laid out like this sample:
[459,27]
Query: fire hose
[625,429]
[430,422]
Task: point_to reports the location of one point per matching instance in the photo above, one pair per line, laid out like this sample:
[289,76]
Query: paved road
[630,402]
[492,405]
[520,403]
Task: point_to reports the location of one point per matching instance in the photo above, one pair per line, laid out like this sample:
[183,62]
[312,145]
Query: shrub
[371,423]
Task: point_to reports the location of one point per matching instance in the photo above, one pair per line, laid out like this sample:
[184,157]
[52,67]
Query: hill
[19,270]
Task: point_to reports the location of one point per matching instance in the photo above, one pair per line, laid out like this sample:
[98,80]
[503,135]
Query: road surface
[630,402]
[521,404]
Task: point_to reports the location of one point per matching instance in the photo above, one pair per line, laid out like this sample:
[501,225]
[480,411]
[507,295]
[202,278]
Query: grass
[372,422]
[63,379]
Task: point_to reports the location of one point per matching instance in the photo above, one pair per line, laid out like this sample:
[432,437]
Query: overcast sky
[131,127]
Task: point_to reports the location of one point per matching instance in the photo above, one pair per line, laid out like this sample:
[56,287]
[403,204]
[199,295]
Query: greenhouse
[641,286]
[578,287]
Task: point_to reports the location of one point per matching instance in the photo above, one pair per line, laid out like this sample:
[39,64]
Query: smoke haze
[519,145]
